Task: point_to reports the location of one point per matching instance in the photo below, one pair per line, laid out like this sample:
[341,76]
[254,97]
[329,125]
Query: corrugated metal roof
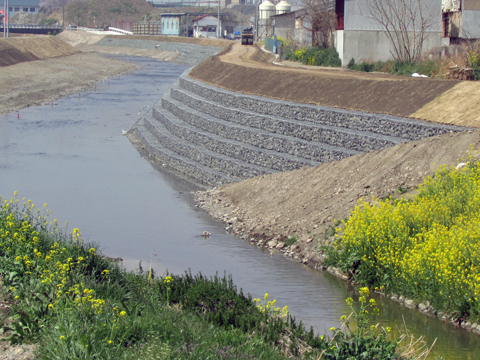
[204,16]
[23,3]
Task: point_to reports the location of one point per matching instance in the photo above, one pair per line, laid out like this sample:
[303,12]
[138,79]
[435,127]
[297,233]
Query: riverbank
[63,295]
[304,204]
[295,213]
[40,69]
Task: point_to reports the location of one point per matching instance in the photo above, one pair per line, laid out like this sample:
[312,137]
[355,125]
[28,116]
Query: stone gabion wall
[204,157]
[260,139]
[215,136]
[183,166]
[392,126]
[325,134]
[235,149]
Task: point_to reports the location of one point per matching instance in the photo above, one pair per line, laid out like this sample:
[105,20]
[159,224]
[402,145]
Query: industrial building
[358,36]
[26,6]
[461,20]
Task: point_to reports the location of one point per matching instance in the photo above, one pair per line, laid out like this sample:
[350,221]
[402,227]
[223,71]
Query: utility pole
[256,20]
[218,21]
[4,17]
[6,22]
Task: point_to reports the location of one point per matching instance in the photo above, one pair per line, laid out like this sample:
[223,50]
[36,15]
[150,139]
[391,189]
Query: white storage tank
[266,9]
[283,7]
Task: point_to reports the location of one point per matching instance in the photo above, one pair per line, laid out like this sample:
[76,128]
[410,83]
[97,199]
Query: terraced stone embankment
[215,136]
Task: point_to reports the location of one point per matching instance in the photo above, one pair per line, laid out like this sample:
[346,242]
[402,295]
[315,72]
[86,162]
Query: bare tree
[406,24]
[320,20]
[77,13]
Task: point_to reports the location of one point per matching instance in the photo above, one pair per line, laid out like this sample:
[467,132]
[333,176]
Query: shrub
[473,60]
[428,67]
[426,248]
[48,21]
[316,56]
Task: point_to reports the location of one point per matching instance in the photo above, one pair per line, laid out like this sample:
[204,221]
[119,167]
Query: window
[25,9]
[32,9]
[17,9]
[10,8]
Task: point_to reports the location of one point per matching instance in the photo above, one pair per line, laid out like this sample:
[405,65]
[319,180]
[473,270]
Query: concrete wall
[364,38]
[285,25]
[357,15]
[470,24]
[375,46]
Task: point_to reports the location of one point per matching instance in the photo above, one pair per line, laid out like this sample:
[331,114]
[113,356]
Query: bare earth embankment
[40,69]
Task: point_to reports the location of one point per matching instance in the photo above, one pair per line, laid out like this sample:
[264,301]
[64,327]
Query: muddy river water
[71,155]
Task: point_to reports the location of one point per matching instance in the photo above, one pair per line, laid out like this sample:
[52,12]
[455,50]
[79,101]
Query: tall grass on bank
[427,248]
[426,67]
[79,305]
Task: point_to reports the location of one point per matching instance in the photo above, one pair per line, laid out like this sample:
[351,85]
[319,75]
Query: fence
[147,29]
[270,43]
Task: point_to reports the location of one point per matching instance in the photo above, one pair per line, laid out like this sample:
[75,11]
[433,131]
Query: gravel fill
[190,54]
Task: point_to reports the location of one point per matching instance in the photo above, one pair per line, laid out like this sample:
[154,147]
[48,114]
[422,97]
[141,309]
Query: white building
[26,6]
[205,26]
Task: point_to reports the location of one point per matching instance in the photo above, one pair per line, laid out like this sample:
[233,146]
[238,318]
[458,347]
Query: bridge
[32,29]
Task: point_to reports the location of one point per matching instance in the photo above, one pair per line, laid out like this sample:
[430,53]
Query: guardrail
[28,26]
[120,31]
[84,28]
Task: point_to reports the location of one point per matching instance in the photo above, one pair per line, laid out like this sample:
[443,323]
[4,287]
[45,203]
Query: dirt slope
[239,70]
[21,49]
[460,106]
[75,38]
[304,203]
[37,82]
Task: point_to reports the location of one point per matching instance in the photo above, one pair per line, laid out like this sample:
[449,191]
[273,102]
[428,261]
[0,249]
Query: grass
[77,304]
[426,248]
[290,241]
[425,67]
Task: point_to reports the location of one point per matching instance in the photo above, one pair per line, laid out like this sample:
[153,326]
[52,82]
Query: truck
[247,36]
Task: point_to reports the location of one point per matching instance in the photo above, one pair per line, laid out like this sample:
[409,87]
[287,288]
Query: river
[72,155]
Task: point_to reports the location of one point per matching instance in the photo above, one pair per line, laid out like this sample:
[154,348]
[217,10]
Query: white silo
[283,7]
[266,9]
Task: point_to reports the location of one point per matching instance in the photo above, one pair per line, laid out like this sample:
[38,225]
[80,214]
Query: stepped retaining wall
[216,136]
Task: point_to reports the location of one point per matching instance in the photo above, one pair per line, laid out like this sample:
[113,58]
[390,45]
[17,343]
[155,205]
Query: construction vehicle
[247,36]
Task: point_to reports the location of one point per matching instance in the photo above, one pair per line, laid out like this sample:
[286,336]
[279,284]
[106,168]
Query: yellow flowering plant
[426,247]
[361,340]
[269,308]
